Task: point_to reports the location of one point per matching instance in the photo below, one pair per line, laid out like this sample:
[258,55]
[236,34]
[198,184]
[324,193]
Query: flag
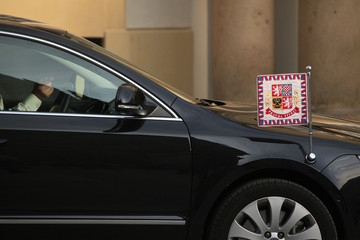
[282,99]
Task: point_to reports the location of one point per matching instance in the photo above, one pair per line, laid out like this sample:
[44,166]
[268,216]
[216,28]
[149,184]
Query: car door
[75,165]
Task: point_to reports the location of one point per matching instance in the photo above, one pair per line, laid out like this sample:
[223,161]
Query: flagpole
[311,157]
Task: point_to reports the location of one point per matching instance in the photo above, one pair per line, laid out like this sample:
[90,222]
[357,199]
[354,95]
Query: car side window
[37,77]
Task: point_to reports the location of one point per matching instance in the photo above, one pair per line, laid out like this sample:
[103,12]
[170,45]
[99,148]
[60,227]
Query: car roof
[15,19]
[12,20]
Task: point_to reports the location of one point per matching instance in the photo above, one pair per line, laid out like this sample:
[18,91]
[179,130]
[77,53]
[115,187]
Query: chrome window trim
[174,115]
[118,220]
[89,116]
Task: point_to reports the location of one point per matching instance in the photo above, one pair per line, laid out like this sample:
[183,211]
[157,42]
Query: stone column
[329,40]
[243,33]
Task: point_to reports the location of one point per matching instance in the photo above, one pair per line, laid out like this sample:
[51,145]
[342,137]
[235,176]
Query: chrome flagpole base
[310,158]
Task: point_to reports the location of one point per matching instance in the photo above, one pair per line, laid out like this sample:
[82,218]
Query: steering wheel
[96,107]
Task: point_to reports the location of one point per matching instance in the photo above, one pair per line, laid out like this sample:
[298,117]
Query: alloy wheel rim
[274,218]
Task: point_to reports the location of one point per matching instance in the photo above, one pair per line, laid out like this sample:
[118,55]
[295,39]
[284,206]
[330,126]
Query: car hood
[324,127]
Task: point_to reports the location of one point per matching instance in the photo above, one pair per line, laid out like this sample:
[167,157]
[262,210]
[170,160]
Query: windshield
[97,48]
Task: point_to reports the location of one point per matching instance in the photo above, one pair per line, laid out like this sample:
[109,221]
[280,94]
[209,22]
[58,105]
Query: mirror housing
[130,100]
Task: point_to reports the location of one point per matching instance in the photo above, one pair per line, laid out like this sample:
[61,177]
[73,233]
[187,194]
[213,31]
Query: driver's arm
[31,103]
[34,100]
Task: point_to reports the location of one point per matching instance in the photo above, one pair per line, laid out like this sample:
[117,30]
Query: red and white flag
[282,99]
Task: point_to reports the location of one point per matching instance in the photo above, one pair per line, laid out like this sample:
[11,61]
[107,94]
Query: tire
[246,213]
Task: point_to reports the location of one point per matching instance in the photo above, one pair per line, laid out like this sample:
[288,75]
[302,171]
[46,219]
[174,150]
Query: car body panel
[344,172]
[90,167]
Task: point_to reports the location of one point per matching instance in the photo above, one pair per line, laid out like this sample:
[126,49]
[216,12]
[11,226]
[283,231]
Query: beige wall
[243,47]
[87,18]
[158,14]
[166,54]
[158,38]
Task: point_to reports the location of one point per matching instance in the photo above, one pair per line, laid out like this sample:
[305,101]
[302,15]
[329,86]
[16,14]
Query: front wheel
[272,209]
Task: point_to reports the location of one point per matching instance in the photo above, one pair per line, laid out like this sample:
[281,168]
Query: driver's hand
[44,89]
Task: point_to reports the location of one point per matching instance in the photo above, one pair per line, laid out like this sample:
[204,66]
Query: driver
[41,91]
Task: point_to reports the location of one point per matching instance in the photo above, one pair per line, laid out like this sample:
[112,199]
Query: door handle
[3,141]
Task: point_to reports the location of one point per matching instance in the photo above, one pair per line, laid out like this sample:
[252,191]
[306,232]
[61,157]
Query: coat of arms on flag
[282,99]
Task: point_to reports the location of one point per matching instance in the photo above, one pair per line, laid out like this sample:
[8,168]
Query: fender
[206,201]
[344,172]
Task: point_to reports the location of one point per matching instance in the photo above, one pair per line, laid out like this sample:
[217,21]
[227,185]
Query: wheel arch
[299,173]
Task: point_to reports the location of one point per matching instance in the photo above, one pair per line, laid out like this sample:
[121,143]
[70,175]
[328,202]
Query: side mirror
[130,100]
